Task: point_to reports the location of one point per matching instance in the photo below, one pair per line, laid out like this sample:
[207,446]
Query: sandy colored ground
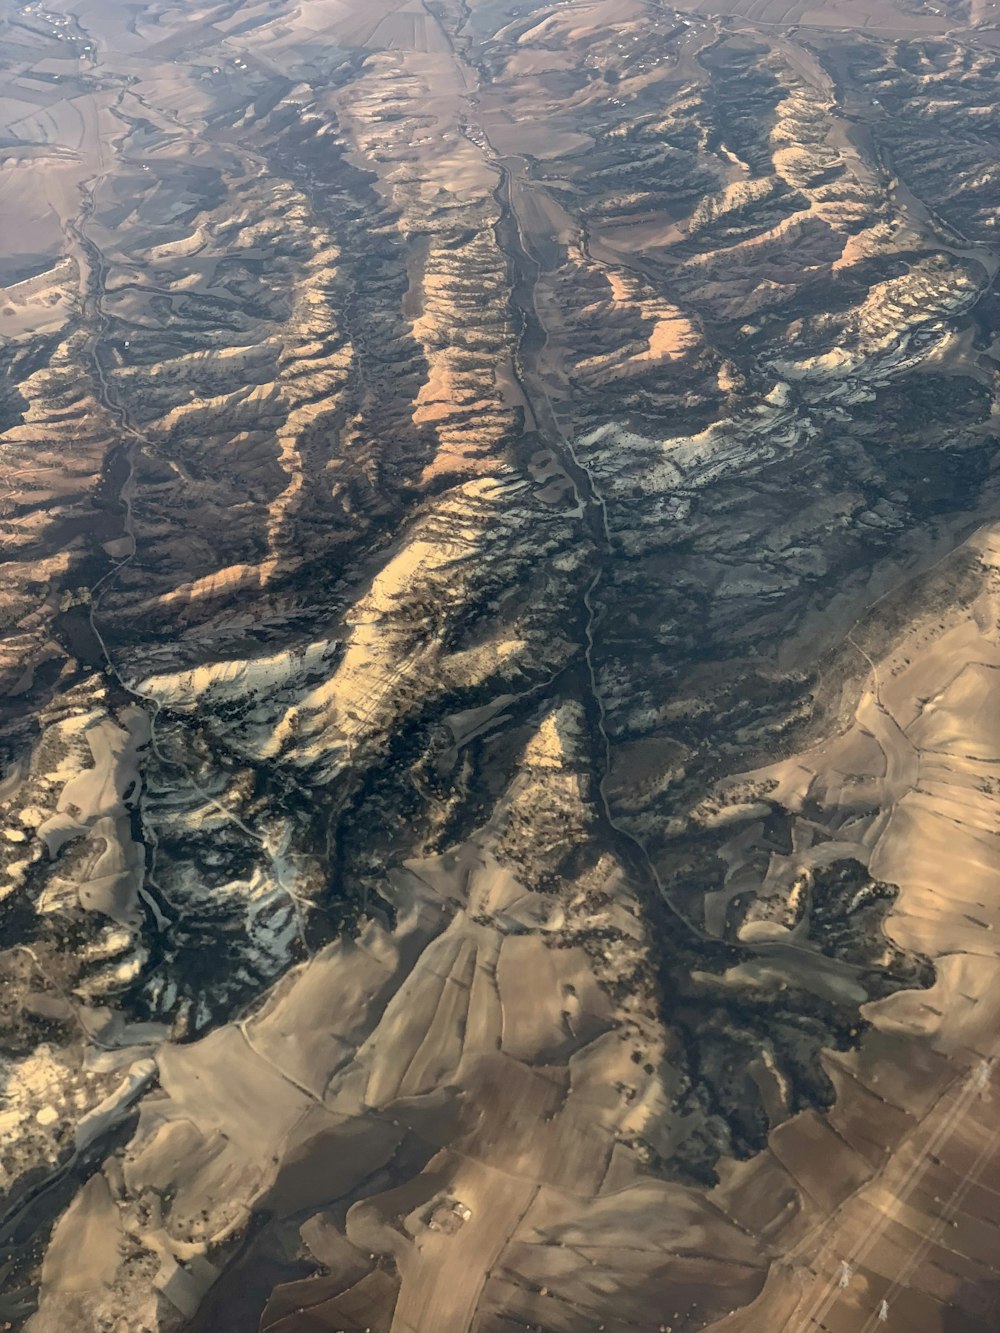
[470,1110]
[923,752]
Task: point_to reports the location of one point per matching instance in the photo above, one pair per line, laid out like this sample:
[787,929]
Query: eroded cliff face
[500,606]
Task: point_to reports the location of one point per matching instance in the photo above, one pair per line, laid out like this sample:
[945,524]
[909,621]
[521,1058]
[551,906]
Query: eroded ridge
[500,660]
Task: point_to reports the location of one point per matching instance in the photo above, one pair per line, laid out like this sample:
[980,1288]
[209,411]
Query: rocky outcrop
[457,799]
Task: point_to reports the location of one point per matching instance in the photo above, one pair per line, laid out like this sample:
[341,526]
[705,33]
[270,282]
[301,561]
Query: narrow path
[593,508]
[945,1218]
[807,1317]
[594,511]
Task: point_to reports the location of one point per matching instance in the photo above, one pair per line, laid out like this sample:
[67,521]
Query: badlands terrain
[500,666]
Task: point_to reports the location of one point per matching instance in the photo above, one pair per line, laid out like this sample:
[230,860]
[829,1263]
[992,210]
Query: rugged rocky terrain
[500,643]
